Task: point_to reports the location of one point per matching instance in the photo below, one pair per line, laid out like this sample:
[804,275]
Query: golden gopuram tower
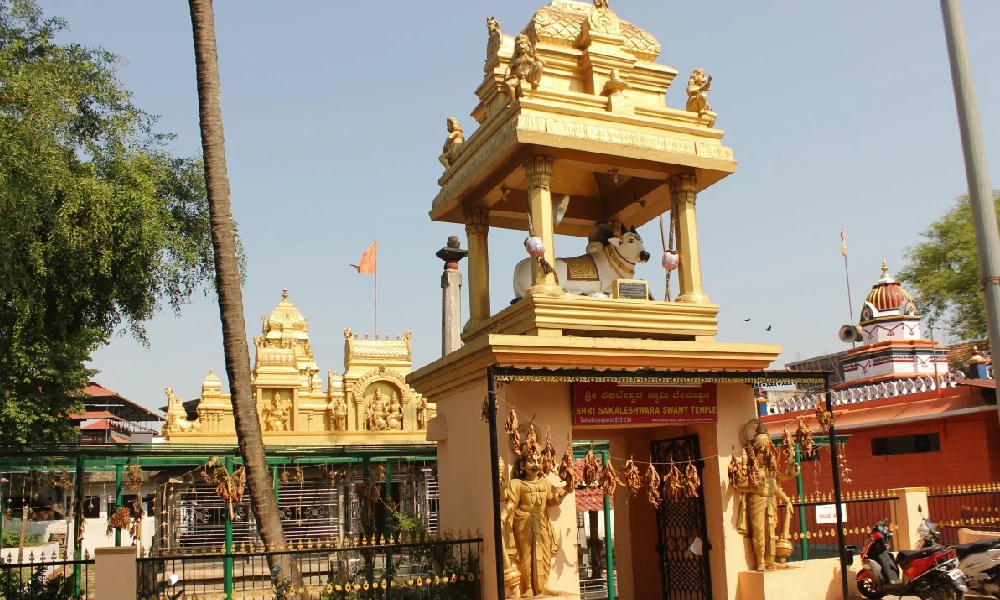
[577,135]
[370,403]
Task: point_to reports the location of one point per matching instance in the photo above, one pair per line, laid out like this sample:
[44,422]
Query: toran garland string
[512,409]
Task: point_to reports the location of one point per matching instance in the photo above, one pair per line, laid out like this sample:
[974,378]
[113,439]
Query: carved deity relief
[275,415]
[421,413]
[337,409]
[383,413]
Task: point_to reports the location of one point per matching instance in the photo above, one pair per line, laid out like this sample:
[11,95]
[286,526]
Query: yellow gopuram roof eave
[652,146]
[467,366]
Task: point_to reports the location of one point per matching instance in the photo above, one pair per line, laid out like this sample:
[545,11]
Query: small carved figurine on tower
[699,84]
[494,41]
[421,413]
[452,145]
[524,67]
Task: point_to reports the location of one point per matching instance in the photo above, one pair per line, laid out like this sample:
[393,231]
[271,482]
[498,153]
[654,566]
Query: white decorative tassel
[670,260]
[534,246]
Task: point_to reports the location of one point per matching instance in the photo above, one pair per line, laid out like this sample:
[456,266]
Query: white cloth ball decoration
[534,246]
[670,260]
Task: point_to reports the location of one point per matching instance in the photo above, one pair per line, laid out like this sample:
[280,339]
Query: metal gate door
[685,575]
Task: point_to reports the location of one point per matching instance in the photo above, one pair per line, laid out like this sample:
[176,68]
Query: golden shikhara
[371,400]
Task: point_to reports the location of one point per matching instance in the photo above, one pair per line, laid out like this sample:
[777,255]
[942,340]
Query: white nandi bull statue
[608,258]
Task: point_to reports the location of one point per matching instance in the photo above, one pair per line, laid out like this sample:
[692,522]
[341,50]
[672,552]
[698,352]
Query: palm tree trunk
[227,277]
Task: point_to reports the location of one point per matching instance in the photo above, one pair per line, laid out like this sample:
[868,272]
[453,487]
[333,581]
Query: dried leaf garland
[653,486]
[134,478]
[328,473]
[633,478]
[120,519]
[753,469]
[511,426]
[231,488]
[127,518]
[567,469]
[787,445]
[609,479]
[804,438]
[770,458]
[673,483]
[531,440]
[823,417]
[591,469]
[734,470]
[692,483]
[63,482]
[548,455]
[485,410]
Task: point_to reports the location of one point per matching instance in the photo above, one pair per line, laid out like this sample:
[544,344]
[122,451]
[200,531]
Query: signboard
[609,403]
[634,289]
[827,513]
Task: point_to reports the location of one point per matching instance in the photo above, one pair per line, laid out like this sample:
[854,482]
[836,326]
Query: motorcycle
[979,561]
[930,573]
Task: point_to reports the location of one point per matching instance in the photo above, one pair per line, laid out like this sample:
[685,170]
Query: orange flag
[367,262]
[843,243]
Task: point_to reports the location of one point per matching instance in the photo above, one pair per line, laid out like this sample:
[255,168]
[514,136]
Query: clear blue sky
[841,114]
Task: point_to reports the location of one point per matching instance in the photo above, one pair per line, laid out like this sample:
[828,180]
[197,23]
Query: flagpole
[376,290]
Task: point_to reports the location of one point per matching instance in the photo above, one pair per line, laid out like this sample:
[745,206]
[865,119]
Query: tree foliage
[943,272]
[100,223]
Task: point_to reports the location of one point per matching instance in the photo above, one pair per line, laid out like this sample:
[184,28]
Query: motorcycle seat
[964,550]
[904,557]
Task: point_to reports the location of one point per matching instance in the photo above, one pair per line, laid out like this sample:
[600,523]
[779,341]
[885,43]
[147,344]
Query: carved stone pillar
[684,193]
[477,228]
[538,172]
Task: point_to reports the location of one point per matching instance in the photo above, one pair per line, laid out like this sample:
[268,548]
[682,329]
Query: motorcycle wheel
[869,590]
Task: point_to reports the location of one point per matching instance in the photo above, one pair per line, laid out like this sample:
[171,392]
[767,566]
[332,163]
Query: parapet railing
[866,393]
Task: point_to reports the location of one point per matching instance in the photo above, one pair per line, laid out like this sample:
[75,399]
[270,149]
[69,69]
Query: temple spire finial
[284,294]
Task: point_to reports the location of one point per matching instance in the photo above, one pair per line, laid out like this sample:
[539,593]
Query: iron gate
[684,574]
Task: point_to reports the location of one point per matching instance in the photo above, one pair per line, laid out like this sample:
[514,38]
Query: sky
[840,114]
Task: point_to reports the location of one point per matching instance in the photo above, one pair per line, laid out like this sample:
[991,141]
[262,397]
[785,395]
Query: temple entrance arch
[681,526]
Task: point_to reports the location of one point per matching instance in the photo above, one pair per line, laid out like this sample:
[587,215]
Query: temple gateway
[369,410]
[370,403]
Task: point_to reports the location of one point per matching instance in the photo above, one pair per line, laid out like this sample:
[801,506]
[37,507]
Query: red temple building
[902,418]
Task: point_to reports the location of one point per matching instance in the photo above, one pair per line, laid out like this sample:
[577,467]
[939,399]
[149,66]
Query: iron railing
[43,577]
[812,539]
[445,568]
[973,506]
